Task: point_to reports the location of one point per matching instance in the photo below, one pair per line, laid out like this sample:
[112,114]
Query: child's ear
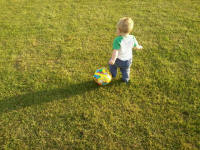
[118,31]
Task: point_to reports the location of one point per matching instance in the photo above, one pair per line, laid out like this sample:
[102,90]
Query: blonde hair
[125,25]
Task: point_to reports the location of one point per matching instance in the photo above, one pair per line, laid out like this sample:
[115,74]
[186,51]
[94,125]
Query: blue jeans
[124,68]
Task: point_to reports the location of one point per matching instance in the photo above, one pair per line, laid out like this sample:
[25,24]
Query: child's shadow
[40,97]
[45,96]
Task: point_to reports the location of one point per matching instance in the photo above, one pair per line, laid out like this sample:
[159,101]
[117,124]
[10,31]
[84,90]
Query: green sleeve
[135,42]
[117,42]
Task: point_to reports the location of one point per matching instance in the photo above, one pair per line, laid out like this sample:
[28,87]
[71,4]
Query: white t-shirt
[125,44]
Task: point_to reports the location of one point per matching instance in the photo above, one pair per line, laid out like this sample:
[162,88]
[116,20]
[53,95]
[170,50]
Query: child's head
[125,25]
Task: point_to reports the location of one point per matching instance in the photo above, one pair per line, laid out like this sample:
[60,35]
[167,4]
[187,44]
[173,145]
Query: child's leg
[125,69]
[113,70]
[125,74]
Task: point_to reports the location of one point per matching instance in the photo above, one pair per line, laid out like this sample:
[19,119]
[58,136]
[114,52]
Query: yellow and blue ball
[102,76]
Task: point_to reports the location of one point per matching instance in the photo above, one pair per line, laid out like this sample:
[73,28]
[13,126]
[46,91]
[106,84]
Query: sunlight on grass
[49,51]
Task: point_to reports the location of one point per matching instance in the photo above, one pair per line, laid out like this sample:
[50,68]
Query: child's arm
[136,45]
[114,56]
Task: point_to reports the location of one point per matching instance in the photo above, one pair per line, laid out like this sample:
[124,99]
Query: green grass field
[49,51]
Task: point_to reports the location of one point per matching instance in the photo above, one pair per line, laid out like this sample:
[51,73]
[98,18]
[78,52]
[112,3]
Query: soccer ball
[102,76]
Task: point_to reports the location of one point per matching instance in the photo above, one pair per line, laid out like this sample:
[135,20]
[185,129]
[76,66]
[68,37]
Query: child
[122,49]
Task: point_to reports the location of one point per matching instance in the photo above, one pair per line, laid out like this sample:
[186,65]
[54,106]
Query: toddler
[122,49]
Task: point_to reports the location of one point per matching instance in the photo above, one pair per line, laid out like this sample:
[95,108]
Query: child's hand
[140,47]
[111,62]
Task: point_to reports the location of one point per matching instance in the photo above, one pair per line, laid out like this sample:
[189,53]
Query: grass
[49,51]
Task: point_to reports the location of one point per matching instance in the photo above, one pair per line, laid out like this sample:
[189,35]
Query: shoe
[125,81]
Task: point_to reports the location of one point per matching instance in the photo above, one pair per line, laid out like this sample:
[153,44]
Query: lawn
[49,51]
